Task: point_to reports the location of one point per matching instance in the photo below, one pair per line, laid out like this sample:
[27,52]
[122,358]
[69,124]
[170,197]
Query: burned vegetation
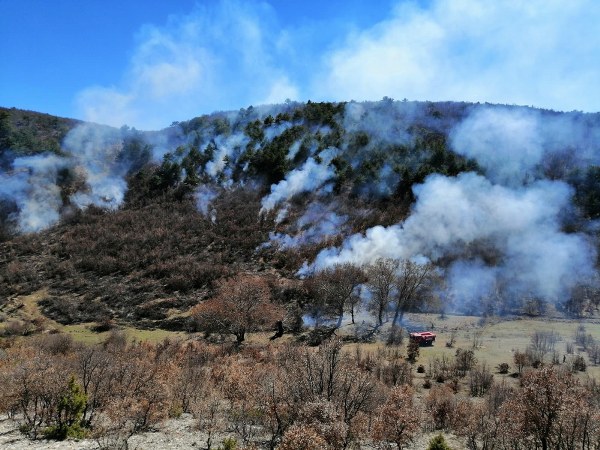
[316,225]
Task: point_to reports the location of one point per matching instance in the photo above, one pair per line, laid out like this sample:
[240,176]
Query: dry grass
[495,343]
[26,308]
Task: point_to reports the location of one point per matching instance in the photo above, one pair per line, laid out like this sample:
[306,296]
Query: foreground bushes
[286,397]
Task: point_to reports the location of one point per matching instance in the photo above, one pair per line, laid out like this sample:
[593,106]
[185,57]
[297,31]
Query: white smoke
[315,225]
[382,121]
[472,50]
[506,142]
[217,57]
[204,196]
[309,177]
[455,216]
[32,186]
[469,282]
[515,144]
[275,130]
[227,148]
[95,149]
[93,154]
[294,149]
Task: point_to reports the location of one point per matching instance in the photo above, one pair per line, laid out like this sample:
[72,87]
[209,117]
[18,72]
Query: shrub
[412,352]
[465,360]
[228,444]
[579,364]
[503,368]
[480,380]
[69,414]
[438,443]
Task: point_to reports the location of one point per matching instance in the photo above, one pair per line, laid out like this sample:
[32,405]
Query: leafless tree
[333,289]
[412,279]
[381,284]
[399,419]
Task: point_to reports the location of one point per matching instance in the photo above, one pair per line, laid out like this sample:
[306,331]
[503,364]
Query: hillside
[140,226]
[29,132]
[247,279]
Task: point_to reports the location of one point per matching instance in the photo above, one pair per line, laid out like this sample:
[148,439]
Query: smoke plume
[316,224]
[32,186]
[309,177]
[460,218]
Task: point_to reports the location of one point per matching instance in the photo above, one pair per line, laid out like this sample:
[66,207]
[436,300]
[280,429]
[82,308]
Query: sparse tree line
[248,302]
[385,290]
[289,396]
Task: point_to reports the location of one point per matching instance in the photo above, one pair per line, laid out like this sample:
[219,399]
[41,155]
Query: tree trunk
[279,331]
[240,336]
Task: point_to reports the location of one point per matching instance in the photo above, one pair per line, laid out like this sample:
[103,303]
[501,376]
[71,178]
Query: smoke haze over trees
[499,201]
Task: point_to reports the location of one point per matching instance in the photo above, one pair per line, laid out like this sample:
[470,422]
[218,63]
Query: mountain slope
[140,226]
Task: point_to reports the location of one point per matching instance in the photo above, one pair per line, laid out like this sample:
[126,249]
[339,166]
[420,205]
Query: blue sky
[147,64]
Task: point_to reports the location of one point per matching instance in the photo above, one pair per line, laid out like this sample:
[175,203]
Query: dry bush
[464,361]
[33,385]
[243,304]
[480,380]
[440,404]
[18,328]
[57,343]
[551,410]
[440,369]
[298,437]
[399,419]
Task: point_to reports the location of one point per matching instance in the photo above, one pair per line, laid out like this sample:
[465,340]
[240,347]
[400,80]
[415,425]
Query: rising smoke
[311,176]
[93,154]
[498,232]
[31,184]
[316,224]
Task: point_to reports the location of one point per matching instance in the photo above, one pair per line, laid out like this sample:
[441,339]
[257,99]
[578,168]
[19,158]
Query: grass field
[493,341]
[25,308]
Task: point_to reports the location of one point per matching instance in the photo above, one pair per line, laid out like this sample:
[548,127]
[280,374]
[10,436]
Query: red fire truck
[423,338]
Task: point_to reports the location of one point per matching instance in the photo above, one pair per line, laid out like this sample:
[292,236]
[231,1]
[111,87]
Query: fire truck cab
[424,338]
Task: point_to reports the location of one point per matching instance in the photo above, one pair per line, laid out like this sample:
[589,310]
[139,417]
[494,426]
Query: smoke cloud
[95,149]
[506,142]
[316,224]
[218,57]
[227,148]
[309,177]
[517,145]
[204,196]
[93,157]
[32,186]
[460,218]
[471,50]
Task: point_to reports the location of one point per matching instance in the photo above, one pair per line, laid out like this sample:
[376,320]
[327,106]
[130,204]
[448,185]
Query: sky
[148,64]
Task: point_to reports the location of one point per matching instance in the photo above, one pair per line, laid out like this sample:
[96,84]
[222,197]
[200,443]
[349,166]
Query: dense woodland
[271,219]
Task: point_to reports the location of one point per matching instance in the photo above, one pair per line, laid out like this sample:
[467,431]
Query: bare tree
[412,279]
[382,278]
[538,411]
[399,419]
[333,289]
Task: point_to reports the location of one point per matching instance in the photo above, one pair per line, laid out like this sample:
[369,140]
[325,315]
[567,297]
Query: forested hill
[140,226]
[28,132]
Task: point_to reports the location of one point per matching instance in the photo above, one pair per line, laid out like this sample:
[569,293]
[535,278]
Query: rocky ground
[173,434]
